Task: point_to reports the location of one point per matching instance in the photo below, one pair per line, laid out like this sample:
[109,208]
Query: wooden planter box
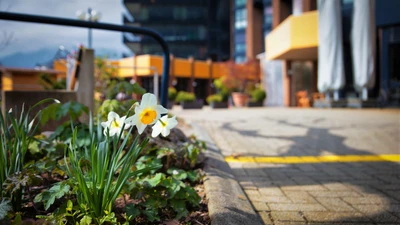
[254,104]
[198,104]
[219,105]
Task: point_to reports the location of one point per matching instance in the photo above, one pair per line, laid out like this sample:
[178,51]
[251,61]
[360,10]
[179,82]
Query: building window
[346,2]
[268,15]
[240,59]
[240,48]
[240,3]
[240,18]
[240,37]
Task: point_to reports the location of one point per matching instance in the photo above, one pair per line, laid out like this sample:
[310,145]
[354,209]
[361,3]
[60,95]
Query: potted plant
[237,77]
[219,100]
[258,96]
[171,97]
[216,101]
[188,100]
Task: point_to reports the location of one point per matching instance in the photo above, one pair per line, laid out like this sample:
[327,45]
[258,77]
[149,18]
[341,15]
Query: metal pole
[90,29]
[102,26]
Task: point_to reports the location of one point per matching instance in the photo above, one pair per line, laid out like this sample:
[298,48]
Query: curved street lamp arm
[102,26]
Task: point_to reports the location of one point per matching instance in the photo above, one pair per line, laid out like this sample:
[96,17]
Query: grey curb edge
[227,203]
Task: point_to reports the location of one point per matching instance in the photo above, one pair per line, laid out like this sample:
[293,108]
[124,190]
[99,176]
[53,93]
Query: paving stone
[260,206]
[247,185]
[335,194]
[313,188]
[287,216]
[300,197]
[239,172]
[266,218]
[317,189]
[391,187]
[384,217]
[252,194]
[395,208]
[296,207]
[336,187]
[364,200]
[335,216]
[335,204]
[274,199]
[270,191]
[288,223]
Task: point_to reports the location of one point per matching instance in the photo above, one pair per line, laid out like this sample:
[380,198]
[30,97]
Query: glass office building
[191,28]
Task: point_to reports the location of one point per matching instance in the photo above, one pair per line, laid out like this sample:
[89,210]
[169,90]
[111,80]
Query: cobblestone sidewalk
[311,193]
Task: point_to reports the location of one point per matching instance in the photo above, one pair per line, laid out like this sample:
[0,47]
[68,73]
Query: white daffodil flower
[146,113]
[114,124]
[164,126]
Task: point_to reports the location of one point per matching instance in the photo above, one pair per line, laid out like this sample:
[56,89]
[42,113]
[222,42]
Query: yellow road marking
[313,159]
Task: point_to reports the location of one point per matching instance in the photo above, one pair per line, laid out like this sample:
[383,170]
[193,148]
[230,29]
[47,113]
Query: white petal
[152,99]
[113,132]
[105,124]
[156,130]
[164,118]
[165,132]
[148,100]
[105,131]
[172,122]
[112,115]
[161,110]
[132,120]
[140,127]
[122,121]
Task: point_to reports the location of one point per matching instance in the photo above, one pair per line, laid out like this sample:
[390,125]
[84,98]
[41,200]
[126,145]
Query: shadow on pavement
[362,192]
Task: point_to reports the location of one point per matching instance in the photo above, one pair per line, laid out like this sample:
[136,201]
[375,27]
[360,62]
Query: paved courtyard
[290,192]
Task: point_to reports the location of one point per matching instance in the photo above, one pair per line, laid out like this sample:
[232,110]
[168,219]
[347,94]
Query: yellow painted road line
[313,159]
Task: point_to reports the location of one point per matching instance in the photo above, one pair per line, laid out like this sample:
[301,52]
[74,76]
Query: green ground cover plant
[113,170]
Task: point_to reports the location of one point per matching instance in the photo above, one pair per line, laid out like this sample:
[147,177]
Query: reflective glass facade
[197,28]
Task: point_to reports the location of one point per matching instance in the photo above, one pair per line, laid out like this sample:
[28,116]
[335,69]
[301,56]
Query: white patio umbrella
[330,49]
[363,46]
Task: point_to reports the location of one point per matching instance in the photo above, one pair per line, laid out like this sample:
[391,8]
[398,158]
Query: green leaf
[4,208]
[49,202]
[177,173]
[165,152]
[138,90]
[132,211]
[193,175]
[69,206]
[34,147]
[86,220]
[179,206]
[151,214]
[49,196]
[155,180]
[17,219]
[172,185]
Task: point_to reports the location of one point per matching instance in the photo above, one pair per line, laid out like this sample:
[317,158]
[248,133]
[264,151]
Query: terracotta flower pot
[239,99]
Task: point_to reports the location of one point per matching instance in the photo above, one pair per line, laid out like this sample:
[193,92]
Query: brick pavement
[313,193]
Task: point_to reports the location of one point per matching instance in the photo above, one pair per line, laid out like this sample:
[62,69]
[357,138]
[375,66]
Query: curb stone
[227,203]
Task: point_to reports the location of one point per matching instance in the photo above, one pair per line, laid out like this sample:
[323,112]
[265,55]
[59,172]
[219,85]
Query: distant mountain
[45,55]
[28,59]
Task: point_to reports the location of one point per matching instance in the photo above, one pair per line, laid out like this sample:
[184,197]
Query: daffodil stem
[162,122]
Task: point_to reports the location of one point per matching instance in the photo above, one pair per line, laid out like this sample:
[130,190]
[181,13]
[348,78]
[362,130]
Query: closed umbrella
[330,49]
[363,46]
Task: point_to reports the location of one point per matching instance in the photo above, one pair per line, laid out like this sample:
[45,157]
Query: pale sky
[32,37]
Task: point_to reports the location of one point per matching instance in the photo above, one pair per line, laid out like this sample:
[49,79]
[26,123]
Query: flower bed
[112,172]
